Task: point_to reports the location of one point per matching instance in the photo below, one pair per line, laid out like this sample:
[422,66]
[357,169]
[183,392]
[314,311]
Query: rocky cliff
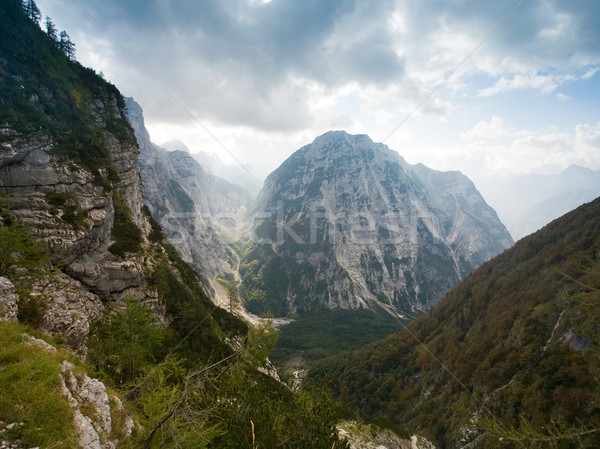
[347,223]
[199,212]
[72,209]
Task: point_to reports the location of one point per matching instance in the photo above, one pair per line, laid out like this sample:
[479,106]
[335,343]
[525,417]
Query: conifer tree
[32,11]
[66,46]
[51,29]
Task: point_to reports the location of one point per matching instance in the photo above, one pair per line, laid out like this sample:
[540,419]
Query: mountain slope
[198,211]
[347,223]
[517,339]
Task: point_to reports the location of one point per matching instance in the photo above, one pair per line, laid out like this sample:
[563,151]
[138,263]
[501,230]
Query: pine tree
[66,46]
[233,297]
[51,29]
[32,11]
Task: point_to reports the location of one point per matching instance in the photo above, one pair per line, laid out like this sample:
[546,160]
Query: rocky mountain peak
[348,223]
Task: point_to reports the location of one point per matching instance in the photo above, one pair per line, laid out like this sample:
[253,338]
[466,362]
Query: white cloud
[486,131]
[590,73]
[268,78]
[526,152]
[544,83]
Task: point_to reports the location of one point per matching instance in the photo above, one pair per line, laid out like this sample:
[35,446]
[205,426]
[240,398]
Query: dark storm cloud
[539,32]
[242,62]
[238,61]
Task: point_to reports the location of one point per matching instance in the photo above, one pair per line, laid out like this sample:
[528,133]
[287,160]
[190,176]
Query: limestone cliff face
[198,211]
[347,223]
[64,204]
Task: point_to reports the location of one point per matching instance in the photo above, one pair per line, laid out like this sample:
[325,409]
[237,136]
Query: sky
[493,88]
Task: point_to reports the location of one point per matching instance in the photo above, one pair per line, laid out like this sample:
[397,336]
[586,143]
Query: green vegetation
[31,393]
[18,250]
[323,333]
[45,93]
[24,261]
[515,342]
[125,233]
[190,386]
[268,277]
[66,204]
[124,344]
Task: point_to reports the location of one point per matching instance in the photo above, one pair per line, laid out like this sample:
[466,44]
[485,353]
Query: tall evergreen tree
[66,46]
[32,11]
[51,29]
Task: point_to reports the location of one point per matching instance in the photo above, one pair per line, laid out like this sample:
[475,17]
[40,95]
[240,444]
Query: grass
[31,392]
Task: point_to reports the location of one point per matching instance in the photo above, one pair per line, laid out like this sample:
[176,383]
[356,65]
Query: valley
[158,296]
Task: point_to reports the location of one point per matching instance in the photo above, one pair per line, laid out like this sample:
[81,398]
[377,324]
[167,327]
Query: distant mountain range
[527,203]
[197,210]
[213,164]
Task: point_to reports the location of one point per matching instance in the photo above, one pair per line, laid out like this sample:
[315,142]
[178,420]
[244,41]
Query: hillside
[107,337]
[513,345]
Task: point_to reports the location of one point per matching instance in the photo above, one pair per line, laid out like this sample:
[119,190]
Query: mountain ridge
[528,202]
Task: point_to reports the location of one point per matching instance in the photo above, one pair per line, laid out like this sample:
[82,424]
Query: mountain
[507,359]
[527,203]
[234,173]
[175,145]
[346,223]
[107,339]
[198,211]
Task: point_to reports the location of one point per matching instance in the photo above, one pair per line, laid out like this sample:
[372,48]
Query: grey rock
[194,208]
[30,174]
[577,342]
[39,343]
[8,301]
[70,310]
[88,437]
[85,394]
[17,148]
[346,223]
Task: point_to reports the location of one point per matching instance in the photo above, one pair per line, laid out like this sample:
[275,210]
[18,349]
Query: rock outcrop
[8,301]
[71,206]
[64,205]
[92,407]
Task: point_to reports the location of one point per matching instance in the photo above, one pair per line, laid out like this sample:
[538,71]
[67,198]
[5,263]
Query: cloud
[486,131]
[544,83]
[288,69]
[532,153]
[247,63]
